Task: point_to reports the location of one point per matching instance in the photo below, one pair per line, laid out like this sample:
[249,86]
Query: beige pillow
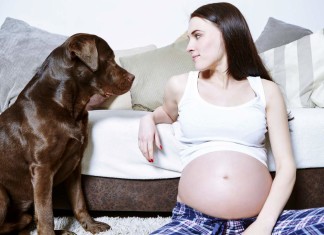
[152,70]
[133,51]
[117,102]
[124,101]
[183,36]
[297,67]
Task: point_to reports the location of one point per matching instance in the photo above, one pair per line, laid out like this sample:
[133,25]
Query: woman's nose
[189,46]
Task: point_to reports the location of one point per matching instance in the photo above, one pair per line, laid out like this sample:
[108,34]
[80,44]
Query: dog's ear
[86,50]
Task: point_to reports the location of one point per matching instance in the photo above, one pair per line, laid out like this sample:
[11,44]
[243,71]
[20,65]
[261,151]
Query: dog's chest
[72,152]
[76,142]
[70,159]
[77,135]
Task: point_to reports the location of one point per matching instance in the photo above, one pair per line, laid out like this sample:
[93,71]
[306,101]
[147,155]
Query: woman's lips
[195,57]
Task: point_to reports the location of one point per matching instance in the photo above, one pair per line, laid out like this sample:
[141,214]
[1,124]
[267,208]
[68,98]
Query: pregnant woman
[224,110]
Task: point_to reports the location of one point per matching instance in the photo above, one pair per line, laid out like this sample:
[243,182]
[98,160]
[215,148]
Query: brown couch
[123,195]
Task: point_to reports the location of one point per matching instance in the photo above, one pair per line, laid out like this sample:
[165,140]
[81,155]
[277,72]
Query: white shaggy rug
[120,226]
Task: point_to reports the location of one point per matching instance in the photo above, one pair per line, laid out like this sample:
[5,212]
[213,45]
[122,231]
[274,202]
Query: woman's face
[206,45]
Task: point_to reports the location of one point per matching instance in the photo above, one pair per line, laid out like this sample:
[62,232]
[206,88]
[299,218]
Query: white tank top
[205,127]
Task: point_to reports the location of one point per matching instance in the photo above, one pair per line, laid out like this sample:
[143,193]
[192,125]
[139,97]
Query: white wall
[131,23]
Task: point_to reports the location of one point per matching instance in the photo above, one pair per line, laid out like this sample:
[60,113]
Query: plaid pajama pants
[188,221]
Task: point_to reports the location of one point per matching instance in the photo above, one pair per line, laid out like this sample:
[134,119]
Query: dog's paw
[97,227]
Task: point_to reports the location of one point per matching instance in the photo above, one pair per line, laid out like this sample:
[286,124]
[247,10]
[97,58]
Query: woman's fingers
[146,147]
[157,140]
[150,151]
[148,137]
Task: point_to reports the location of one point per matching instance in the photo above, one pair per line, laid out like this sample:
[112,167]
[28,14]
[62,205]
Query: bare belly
[225,184]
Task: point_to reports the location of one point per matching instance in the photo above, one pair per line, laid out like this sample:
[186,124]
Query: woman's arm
[284,180]
[167,113]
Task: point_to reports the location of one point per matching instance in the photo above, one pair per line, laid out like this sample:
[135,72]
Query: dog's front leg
[42,180]
[74,190]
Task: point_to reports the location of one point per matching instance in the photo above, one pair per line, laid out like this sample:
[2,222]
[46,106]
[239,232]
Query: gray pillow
[277,33]
[152,70]
[23,49]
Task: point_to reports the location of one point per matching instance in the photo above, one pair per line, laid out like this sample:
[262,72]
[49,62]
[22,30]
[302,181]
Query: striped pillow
[297,67]
[318,95]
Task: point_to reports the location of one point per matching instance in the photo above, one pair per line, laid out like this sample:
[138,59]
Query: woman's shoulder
[180,78]
[177,84]
[178,81]
[269,86]
[271,90]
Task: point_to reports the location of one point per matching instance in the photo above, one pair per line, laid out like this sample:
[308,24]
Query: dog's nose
[130,77]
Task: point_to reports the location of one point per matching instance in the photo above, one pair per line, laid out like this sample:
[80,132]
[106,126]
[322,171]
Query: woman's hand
[167,113]
[147,136]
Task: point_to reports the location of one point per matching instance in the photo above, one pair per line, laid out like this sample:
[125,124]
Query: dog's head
[94,66]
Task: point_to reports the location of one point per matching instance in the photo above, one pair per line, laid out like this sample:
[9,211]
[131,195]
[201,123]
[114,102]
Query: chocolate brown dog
[44,133]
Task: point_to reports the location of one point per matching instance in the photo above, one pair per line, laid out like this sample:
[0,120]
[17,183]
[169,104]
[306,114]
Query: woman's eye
[197,36]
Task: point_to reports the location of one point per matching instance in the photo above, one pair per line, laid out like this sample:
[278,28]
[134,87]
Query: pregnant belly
[225,184]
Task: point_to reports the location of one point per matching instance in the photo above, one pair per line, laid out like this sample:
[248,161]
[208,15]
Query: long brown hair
[242,55]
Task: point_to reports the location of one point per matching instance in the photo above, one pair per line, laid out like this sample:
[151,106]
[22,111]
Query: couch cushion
[277,33]
[297,67]
[152,70]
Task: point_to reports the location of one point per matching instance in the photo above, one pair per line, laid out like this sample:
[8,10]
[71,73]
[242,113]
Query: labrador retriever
[44,133]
